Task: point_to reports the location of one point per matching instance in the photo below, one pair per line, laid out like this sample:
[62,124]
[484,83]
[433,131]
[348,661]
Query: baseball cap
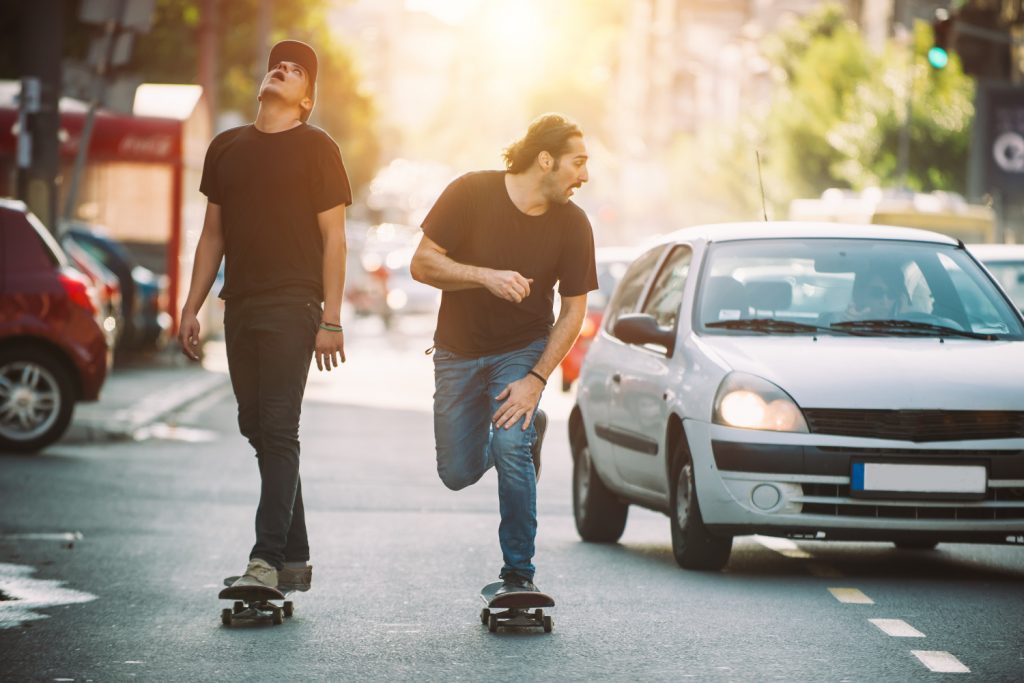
[300,53]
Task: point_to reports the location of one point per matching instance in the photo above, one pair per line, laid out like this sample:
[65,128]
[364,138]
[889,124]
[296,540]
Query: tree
[836,118]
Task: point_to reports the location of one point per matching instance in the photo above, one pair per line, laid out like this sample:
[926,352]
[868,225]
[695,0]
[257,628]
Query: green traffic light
[938,57]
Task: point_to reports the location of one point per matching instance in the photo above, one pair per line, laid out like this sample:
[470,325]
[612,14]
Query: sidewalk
[140,392]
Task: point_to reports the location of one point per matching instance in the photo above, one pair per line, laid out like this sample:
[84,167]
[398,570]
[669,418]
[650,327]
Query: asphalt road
[127,543]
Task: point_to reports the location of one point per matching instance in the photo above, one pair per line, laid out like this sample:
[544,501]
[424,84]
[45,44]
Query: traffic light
[942,30]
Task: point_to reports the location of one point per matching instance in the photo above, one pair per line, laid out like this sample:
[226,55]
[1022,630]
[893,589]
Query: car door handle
[617,378]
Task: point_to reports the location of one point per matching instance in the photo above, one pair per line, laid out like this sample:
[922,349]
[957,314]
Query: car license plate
[918,480]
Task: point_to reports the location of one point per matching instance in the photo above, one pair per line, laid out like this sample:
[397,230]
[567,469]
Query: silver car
[804,380]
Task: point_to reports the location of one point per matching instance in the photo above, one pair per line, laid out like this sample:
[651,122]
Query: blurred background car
[108,290]
[365,292]
[386,255]
[611,264]
[1006,263]
[144,293]
[53,348]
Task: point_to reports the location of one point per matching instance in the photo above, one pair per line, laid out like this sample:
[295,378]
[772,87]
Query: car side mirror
[640,328]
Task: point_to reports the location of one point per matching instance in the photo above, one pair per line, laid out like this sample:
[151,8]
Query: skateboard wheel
[239,606]
[277,617]
[484,615]
[289,608]
[539,614]
[225,617]
[492,623]
[549,624]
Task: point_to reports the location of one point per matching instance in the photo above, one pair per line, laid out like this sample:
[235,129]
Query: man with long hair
[277,192]
[496,243]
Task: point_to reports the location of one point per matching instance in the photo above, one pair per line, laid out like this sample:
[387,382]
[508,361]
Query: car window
[667,292]
[807,286]
[1011,276]
[627,294]
[26,248]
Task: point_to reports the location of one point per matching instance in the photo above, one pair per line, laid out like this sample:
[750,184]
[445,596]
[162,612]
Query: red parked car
[611,264]
[53,351]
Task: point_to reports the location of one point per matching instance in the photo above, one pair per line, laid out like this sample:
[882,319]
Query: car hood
[886,373]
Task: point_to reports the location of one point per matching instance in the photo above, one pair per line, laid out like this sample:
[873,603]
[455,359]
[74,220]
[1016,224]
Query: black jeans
[270,346]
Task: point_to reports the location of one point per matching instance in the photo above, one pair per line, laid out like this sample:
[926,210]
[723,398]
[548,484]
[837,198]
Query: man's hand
[188,335]
[508,285]
[523,396]
[329,345]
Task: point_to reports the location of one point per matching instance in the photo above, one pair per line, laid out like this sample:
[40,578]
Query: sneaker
[298,578]
[514,583]
[259,574]
[540,423]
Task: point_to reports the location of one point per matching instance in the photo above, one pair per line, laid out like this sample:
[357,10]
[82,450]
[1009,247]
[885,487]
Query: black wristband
[539,376]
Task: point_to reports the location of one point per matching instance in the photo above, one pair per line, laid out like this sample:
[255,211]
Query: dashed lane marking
[897,628]
[783,546]
[940,662]
[851,596]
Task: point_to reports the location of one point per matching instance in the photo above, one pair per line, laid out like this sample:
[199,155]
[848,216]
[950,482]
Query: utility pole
[40,44]
[208,23]
[903,151]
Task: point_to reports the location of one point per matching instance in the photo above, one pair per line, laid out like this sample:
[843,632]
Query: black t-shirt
[270,187]
[475,221]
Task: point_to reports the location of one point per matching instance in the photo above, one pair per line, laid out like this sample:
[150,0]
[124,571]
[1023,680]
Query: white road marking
[897,628]
[851,596]
[66,536]
[26,595]
[783,546]
[940,662]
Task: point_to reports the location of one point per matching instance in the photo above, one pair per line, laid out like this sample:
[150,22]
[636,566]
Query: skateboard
[515,609]
[254,604]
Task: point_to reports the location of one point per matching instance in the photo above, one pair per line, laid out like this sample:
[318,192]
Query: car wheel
[600,516]
[692,544]
[915,545]
[36,400]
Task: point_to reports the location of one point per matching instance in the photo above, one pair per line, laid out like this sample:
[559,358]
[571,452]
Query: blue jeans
[468,444]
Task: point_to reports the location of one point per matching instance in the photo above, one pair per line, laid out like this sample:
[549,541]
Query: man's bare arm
[331,344]
[522,396]
[209,253]
[431,265]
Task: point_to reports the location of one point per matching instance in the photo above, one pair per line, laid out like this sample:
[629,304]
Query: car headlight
[749,402]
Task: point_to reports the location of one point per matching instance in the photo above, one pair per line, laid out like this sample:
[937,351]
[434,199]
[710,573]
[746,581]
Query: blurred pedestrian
[495,243]
[277,192]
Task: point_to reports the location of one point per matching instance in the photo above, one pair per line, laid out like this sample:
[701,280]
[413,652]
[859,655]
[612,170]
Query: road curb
[124,423]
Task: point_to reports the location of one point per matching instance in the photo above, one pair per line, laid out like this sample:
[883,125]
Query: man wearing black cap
[277,192]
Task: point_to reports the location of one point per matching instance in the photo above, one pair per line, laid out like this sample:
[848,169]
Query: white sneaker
[259,573]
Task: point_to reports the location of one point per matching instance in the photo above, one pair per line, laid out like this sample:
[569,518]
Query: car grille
[998,504]
[917,425]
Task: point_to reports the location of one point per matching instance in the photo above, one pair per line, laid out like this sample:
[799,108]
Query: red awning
[115,137]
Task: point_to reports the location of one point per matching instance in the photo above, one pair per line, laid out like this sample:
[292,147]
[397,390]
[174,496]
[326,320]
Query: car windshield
[850,287]
[1010,274]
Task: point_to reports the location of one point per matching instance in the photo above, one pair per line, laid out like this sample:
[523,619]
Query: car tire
[41,377]
[600,516]
[692,544]
[915,545]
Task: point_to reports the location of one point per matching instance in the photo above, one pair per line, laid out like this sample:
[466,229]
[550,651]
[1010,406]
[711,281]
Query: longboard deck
[517,600]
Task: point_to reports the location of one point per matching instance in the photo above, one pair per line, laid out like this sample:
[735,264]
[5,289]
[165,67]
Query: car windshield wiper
[770,325]
[909,327]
